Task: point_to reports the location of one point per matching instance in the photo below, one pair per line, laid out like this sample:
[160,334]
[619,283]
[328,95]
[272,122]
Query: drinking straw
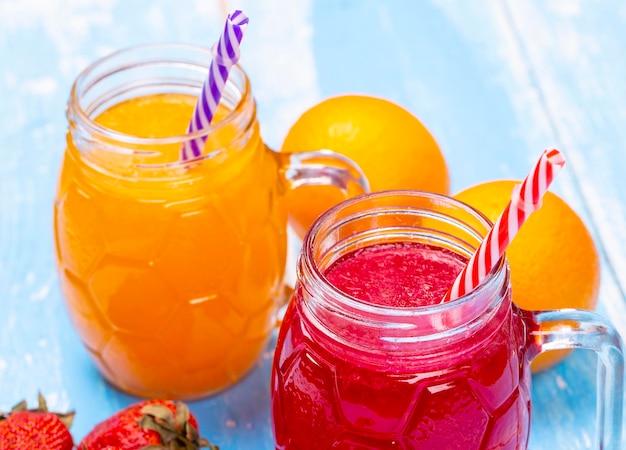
[225,55]
[525,199]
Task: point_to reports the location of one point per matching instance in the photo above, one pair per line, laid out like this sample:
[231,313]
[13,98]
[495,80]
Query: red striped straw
[525,199]
[225,55]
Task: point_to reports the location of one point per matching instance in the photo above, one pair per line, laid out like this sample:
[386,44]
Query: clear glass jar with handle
[367,357]
[172,270]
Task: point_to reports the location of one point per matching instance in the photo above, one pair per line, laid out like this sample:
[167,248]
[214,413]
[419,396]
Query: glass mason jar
[172,271]
[354,374]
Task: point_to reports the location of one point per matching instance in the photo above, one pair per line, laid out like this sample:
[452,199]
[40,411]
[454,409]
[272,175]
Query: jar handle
[318,168]
[323,167]
[574,328]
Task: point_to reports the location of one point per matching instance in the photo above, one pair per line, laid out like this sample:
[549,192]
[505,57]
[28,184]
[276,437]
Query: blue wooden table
[496,82]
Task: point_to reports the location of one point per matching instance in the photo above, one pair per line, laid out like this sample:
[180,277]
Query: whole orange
[392,147]
[554,262]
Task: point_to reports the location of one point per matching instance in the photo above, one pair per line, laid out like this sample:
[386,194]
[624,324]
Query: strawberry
[150,424]
[27,429]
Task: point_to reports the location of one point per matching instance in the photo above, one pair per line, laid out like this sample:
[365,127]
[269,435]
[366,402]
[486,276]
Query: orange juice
[170,275]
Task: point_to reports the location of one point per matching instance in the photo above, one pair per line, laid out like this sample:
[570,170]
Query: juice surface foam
[401,274]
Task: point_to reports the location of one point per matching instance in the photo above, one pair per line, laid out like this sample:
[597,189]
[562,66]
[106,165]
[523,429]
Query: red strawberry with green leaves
[28,429]
[150,424]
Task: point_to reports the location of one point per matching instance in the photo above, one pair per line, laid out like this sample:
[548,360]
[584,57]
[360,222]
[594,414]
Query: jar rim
[494,278]
[83,84]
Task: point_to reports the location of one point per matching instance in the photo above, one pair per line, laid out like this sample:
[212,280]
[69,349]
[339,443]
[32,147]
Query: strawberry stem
[42,407]
[176,432]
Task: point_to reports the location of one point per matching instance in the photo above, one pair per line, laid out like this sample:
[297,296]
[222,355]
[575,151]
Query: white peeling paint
[560,382]
[39,86]
[104,50]
[51,398]
[41,293]
[67,24]
[66,21]
[57,401]
[587,440]
[566,8]
[10,79]
[156,18]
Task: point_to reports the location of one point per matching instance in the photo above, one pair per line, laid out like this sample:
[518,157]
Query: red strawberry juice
[453,381]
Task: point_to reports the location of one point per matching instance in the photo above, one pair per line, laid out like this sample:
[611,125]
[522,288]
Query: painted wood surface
[496,81]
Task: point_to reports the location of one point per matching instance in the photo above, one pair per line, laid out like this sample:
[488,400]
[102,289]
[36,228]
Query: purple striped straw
[225,55]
